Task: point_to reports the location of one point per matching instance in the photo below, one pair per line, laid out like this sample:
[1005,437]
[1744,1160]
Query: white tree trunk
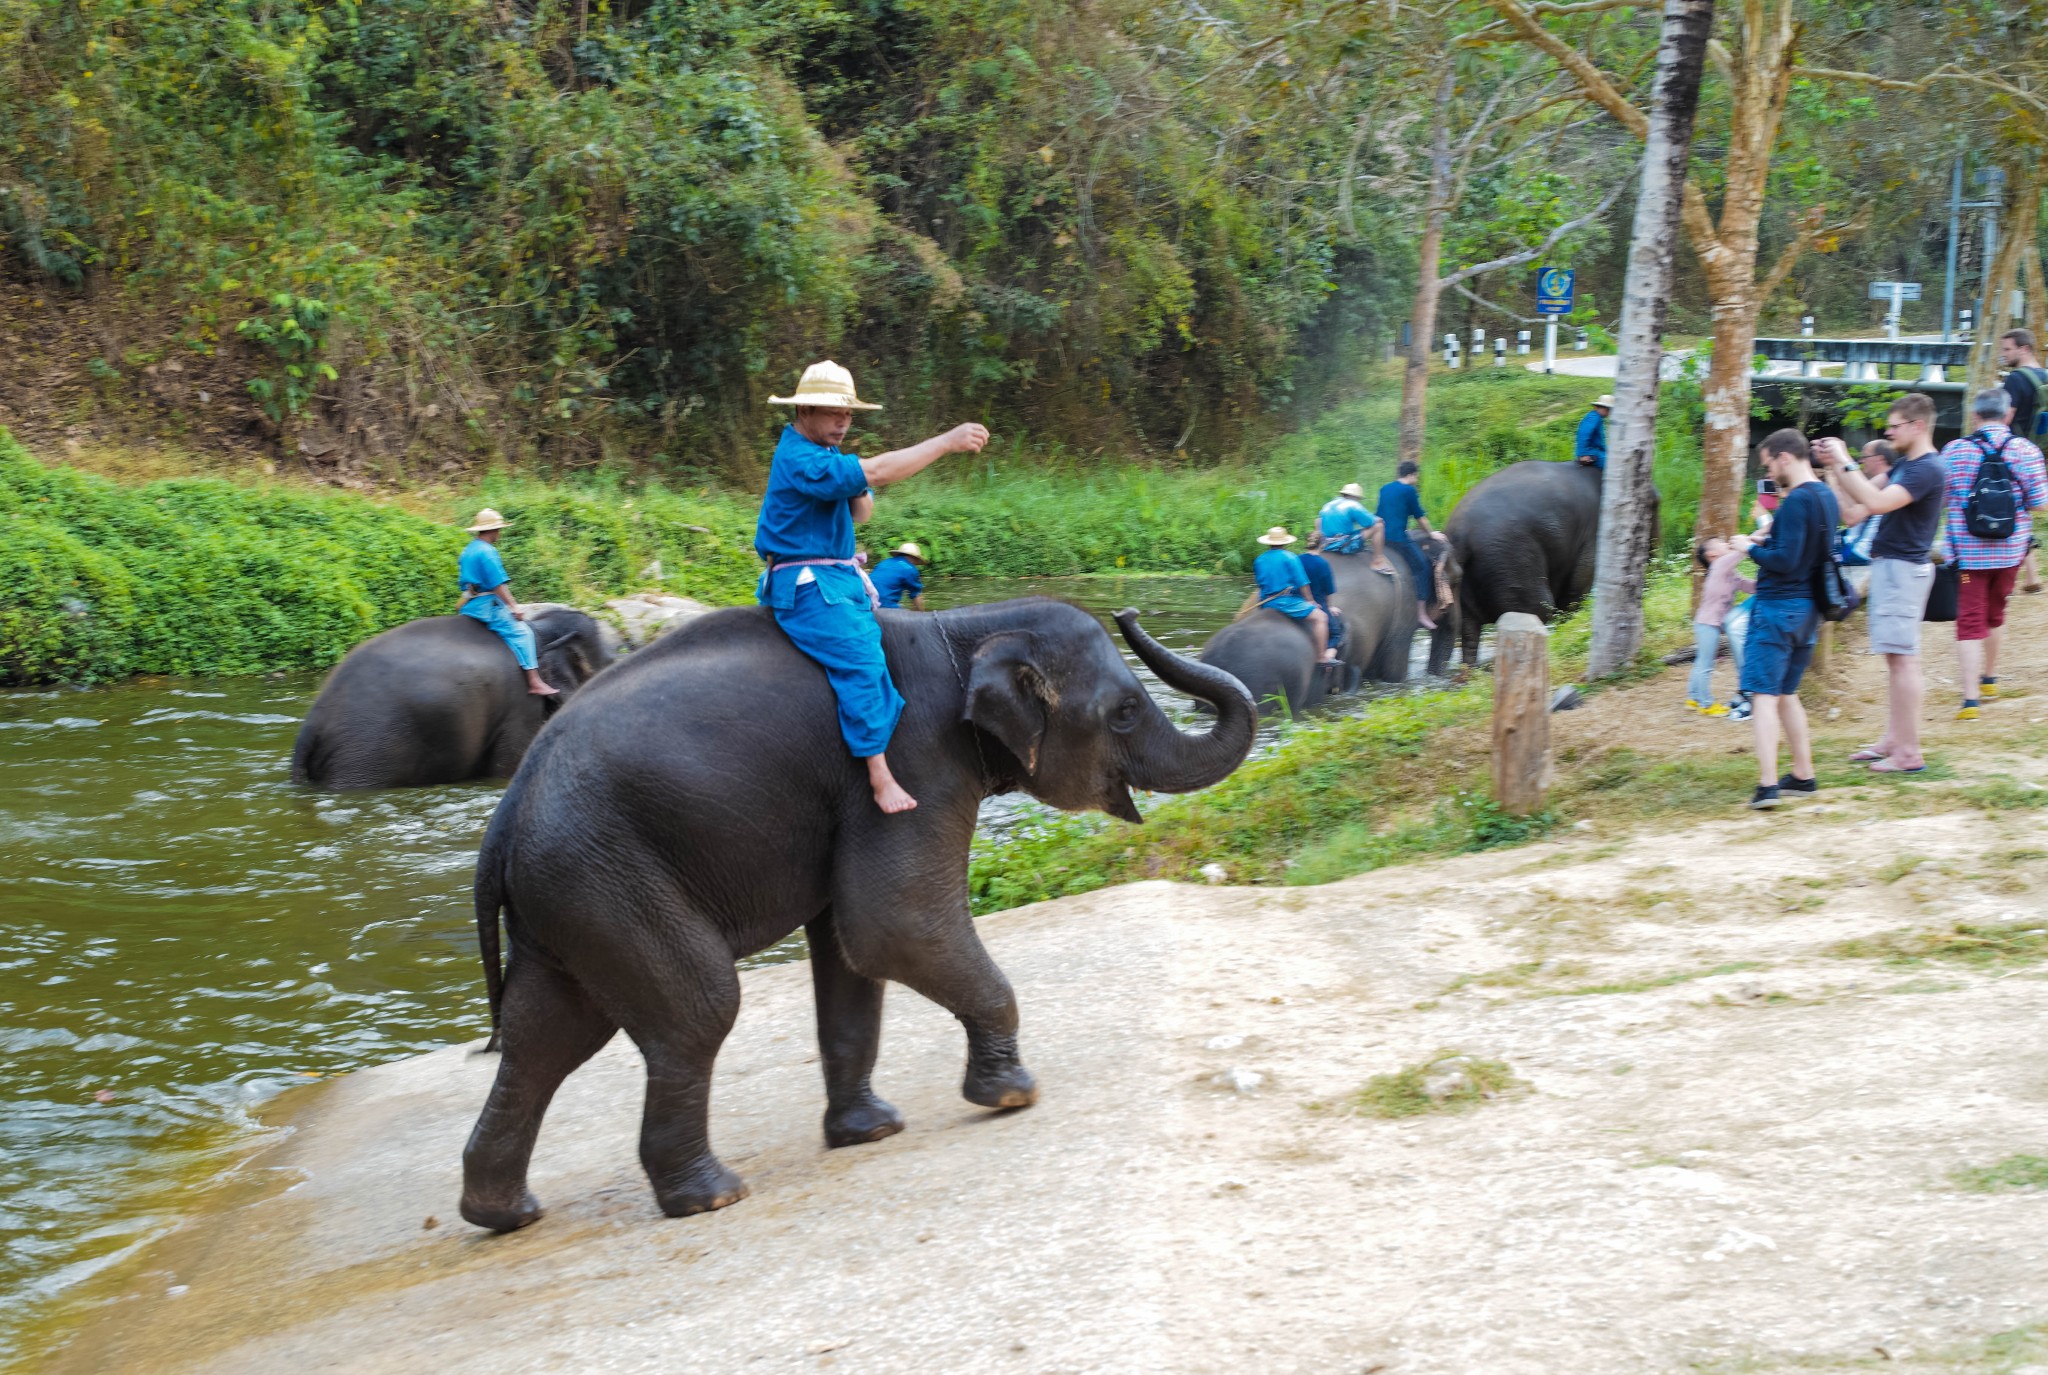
[1627,510]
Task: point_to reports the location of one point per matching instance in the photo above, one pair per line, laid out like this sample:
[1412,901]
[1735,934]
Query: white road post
[1500,350]
[1809,368]
[1521,341]
[1550,344]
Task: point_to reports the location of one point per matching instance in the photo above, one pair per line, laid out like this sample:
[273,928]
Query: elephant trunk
[1166,759]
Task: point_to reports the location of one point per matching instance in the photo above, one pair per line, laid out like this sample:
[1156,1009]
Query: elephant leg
[849,1033]
[548,1026]
[678,1000]
[888,929]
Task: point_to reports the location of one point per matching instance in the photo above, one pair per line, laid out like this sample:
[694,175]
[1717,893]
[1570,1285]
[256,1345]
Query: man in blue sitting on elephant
[1346,526]
[487,597]
[817,593]
[1401,503]
[1284,587]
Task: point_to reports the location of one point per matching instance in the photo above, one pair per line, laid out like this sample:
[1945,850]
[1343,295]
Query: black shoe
[1806,787]
[1765,797]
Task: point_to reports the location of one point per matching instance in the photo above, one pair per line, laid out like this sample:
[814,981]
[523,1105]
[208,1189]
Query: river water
[183,934]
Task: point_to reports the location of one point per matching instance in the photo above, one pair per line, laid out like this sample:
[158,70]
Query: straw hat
[1351,489]
[487,519]
[909,550]
[825,384]
[1276,536]
[1605,399]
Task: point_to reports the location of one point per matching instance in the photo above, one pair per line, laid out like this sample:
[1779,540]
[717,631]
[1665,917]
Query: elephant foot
[499,1218]
[1010,1086]
[704,1188]
[859,1122]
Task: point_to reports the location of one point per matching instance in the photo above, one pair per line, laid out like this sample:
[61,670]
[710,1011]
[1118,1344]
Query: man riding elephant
[1348,528]
[1400,503]
[817,593]
[487,597]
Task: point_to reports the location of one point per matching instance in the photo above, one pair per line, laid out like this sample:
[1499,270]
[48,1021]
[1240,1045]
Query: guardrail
[1861,359]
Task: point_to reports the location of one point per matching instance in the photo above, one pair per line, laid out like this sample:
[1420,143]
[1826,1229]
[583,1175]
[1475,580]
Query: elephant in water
[1524,539]
[695,805]
[1275,659]
[438,700]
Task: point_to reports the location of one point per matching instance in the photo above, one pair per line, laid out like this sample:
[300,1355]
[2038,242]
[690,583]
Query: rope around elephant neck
[961,678]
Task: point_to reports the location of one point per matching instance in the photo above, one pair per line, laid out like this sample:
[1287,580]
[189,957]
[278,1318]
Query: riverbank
[1757,1093]
[210,574]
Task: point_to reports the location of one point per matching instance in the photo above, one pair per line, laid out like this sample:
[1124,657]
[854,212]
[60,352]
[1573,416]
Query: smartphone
[1765,487]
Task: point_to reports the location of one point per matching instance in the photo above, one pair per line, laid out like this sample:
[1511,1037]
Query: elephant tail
[490,900]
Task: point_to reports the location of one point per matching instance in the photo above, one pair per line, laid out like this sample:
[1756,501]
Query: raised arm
[898,464]
[1867,498]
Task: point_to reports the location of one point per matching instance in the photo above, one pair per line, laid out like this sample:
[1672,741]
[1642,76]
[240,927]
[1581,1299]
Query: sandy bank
[1705,1167]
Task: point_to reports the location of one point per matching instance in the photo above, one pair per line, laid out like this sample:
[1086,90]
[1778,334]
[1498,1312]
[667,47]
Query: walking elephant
[438,700]
[1275,659]
[695,804]
[1524,539]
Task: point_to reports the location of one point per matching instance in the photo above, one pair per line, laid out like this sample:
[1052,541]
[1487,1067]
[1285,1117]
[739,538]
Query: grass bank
[207,574]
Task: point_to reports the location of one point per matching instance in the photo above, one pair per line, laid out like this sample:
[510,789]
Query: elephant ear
[1009,697]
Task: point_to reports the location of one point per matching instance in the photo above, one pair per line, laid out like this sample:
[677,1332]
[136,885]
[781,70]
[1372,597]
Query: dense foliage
[572,222]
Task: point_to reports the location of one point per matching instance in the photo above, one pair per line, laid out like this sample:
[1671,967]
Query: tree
[1627,499]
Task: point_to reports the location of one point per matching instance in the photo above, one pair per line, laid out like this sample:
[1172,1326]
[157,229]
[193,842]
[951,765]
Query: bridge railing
[1861,360]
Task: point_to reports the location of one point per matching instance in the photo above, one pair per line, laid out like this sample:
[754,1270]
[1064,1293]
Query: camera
[1766,487]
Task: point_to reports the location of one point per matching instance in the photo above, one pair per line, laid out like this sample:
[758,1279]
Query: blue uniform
[483,573]
[1322,585]
[1401,504]
[896,578]
[1592,440]
[1345,523]
[1279,574]
[825,610]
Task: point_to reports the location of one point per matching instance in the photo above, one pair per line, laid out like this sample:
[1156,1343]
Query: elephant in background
[1524,539]
[695,804]
[1274,657]
[439,700]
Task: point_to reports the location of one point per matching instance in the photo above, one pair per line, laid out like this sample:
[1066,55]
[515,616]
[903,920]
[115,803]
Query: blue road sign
[1554,291]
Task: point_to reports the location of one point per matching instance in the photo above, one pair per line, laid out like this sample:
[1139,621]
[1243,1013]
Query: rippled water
[182,934]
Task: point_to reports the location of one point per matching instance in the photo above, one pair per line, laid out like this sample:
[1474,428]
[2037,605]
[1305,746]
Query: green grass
[2006,794]
[1982,945]
[2013,1172]
[1659,981]
[1897,867]
[1448,1081]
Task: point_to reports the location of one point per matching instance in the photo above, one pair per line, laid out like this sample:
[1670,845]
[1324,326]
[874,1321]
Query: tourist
[1860,524]
[487,597]
[1901,575]
[1995,484]
[1784,620]
[1724,579]
[1345,525]
[2025,381]
[1322,585]
[817,593]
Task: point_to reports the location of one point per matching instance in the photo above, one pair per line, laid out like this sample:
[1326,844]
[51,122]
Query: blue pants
[517,635]
[1779,646]
[846,642]
[1706,641]
[1350,542]
[1417,565]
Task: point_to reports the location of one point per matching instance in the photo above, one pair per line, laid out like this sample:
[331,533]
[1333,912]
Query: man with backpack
[2026,381]
[1996,481]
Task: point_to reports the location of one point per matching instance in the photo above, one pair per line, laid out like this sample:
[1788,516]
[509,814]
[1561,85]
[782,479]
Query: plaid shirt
[1964,457]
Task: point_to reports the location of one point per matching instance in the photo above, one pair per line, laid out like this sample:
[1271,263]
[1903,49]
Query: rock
[1447,1079]
[1224,1042]
[1586,825]
[1565,698]
[1214,873]
[647,615]
[1239,1080]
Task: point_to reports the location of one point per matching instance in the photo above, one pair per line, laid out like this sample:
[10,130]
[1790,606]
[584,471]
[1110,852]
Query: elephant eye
[1126,714]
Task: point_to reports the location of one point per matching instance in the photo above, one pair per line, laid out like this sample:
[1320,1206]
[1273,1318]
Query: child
[1724,579]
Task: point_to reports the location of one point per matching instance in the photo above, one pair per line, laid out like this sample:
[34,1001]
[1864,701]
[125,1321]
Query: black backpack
[1992,510]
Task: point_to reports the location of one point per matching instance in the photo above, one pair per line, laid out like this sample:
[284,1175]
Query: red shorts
[1980,600]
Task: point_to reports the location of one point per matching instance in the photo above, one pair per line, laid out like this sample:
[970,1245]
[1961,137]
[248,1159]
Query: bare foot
[889,794]
[1421,614]
[540,689]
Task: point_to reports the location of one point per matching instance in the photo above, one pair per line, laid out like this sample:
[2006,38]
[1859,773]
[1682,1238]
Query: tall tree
[1627,499]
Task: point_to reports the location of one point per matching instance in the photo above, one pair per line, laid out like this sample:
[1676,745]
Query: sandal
[1886,766]
[1867,755]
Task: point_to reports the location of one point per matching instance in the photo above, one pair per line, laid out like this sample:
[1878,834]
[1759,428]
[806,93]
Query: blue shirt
[1322,583]
[806,513]
[482,572]
[1278,570]
[895,578]
[1342,515]
[1400,503]
[1802,538]
[1592,441]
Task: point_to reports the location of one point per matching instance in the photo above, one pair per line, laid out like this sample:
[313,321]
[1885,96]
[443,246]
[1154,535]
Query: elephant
[695,804]
[1524,539]
[1275,659]
[439,700]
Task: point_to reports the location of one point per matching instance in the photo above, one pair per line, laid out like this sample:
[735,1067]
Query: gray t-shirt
[1908,533]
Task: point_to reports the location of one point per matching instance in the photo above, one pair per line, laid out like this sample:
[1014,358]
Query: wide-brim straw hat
[909,550]
[1351,489]
[825,384]
[487,519]
[1276,536]
[1605,399]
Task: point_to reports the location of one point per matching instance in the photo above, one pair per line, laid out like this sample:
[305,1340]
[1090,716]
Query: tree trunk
[1627,515]
[1994,313]
[1422,316]
[1725,441]
[2037,295]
